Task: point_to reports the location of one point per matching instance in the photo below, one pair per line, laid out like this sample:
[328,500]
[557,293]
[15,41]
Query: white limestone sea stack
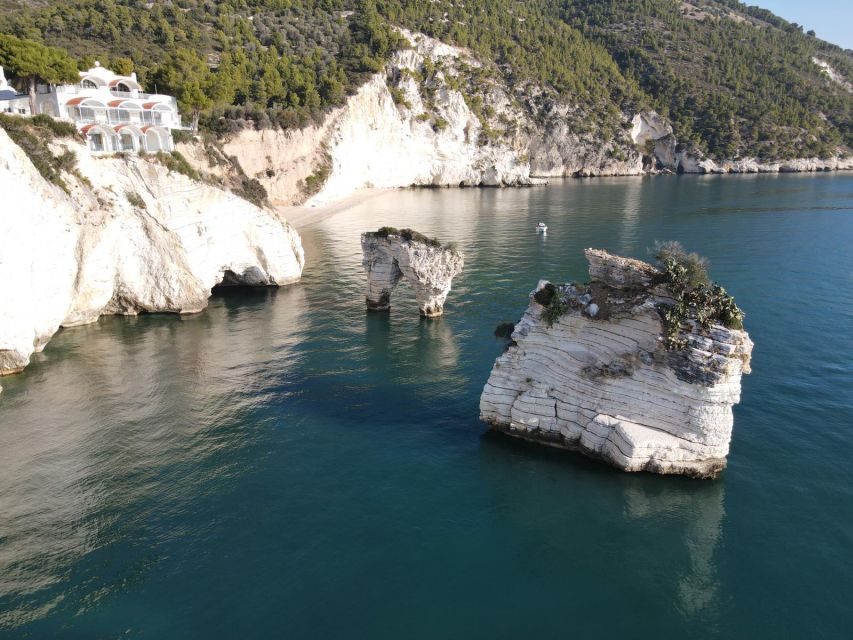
[391,255]
[128,237]
[601,379]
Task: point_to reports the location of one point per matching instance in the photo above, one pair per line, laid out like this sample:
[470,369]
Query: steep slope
[735,81]
[435,116]
[438,116]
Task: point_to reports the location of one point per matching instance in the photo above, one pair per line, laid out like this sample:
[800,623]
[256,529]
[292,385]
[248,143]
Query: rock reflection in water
[701,508]
[118,421]
[676,519]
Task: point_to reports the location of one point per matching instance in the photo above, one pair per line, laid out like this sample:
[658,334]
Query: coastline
[301,216]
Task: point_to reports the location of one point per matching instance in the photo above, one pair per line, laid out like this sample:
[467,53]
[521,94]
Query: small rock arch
[390,256]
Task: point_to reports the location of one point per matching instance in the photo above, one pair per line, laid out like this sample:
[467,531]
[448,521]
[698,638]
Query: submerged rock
[602,380]
[428,266]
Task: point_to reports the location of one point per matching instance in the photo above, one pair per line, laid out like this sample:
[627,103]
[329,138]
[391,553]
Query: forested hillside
[733,80]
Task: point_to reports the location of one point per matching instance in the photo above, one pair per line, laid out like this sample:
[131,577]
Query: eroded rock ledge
[391,255]
[601,379]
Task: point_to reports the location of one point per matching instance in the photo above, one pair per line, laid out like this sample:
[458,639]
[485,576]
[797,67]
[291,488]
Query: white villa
[110,110]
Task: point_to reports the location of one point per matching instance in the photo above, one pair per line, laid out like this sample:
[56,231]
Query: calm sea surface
[286,465]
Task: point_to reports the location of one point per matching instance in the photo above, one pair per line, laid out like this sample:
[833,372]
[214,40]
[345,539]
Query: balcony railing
[94,115]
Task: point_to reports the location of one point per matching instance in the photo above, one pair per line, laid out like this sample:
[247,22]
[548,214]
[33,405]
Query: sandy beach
[301,217]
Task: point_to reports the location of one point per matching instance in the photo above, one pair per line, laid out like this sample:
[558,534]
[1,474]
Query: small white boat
[542,228]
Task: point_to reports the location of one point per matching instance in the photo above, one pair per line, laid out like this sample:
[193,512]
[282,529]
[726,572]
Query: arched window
[88,84]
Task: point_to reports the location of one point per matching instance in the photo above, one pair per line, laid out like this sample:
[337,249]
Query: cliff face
[439,117]
[409,126]
[435,117]
[429,269]
[133,237]
[557,149]
[601,380]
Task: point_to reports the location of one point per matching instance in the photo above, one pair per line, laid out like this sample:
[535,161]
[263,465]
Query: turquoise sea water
[287,466]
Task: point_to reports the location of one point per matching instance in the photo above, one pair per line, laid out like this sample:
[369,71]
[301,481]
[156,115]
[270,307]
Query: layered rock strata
[601,380]
[128,237]
[429,269]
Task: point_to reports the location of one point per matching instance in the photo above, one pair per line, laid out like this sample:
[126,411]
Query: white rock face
[429,270]
[67,259]
[649,125]
[379,143]
[430,136]
[833,74]
[38,240]
[557,150]
[375,142]
[689,163]
[608,387]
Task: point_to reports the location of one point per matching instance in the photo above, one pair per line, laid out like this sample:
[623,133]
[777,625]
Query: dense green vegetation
[33,62]
[734,80]
[410,235]
[273,62]
[697,298]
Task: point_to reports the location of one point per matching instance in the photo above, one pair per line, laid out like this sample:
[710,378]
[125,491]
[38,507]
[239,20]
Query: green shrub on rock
[685,275]
[410,235]
[555,302]
[384,232]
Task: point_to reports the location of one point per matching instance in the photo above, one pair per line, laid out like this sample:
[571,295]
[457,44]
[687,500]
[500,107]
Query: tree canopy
[31,62]
[734,80]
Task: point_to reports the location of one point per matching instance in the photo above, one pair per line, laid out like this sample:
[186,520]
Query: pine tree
[31,62]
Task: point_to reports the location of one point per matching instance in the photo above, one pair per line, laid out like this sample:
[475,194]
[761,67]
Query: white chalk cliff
[132,237]
[601,380]
[409,127]
[437,116]
[429,269]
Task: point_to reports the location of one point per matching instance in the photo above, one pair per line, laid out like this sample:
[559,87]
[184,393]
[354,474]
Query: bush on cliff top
[697,297]
[58,128]
[682,270]
[384,232]
[34,135]
[555,304]
[174,161]
[410,235]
